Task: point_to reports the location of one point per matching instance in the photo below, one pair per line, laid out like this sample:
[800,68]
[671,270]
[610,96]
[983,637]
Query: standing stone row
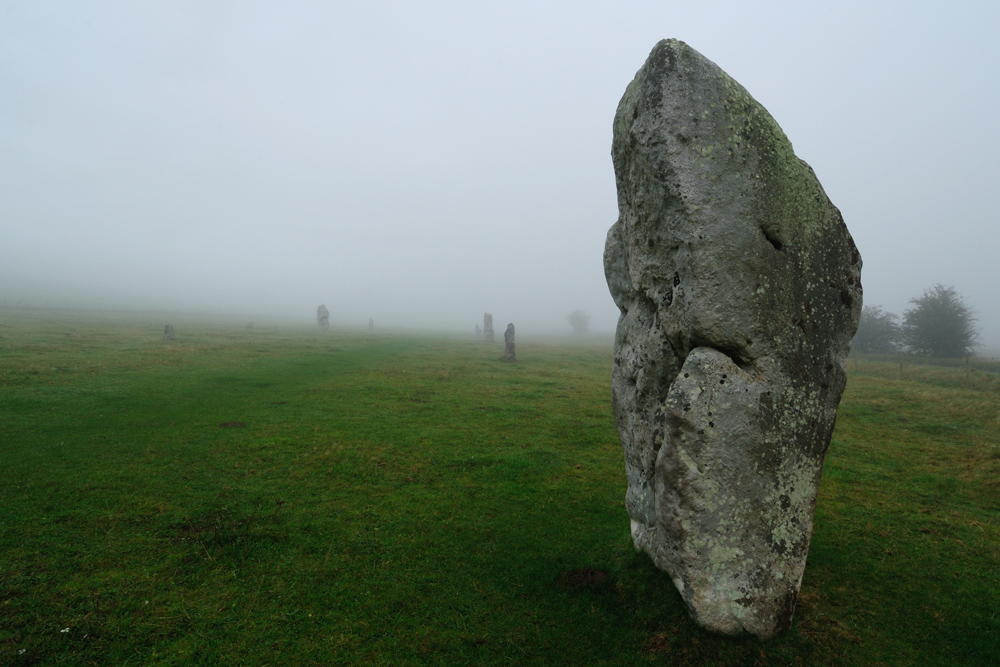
[486,334]
[323,319]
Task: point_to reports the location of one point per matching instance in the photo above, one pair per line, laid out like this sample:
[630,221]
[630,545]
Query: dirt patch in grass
[586,577]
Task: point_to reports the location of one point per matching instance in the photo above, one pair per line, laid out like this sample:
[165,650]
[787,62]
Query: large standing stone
[168,332]
[488,327]
[322,318]
[739,289]
[508,343]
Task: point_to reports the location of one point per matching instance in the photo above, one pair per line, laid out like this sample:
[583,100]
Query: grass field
[283,497]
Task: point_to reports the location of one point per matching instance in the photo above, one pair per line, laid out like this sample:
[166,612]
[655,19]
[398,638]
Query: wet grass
[279,496]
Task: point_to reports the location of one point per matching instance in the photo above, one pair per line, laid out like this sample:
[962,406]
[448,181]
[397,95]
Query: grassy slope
[412,500]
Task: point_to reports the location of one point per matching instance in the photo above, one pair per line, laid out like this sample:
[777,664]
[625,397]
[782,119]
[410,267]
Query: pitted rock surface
[740,290]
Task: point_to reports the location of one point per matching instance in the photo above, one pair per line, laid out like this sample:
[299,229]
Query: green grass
[410,499]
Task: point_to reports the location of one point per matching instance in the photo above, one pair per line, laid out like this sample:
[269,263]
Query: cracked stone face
[740,290]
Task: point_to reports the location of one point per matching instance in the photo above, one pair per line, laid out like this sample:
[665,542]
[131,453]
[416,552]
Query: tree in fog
[940,324]
[580,321]
[877,331]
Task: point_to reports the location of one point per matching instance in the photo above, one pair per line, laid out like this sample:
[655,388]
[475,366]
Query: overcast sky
[423,162]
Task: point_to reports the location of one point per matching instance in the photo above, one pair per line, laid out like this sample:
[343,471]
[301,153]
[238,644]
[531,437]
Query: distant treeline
[939,325]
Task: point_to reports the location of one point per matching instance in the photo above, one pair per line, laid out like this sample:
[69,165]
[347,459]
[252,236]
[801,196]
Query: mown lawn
[279,496]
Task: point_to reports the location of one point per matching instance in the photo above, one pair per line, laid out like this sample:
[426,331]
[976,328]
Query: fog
[421,163]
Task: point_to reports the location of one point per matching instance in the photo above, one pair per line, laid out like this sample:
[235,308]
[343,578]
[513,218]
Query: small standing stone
[479,333]
[508,343]
[371,324]
[168,332]
[488,327]
[322,318]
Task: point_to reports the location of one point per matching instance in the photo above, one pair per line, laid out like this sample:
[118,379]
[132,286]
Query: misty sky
[423,162]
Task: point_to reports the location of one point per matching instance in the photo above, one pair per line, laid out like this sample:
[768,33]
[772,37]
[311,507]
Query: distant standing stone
[508,343]
[168,332]
[479,333]
[371,324]
[322,318]
[740,289]
[488,327]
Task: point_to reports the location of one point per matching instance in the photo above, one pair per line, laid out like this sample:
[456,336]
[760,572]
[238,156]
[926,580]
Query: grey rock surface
[371,323]
[488,327]
[508,343]
[739,289]
[168,332]
[479,333]
[323,318]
